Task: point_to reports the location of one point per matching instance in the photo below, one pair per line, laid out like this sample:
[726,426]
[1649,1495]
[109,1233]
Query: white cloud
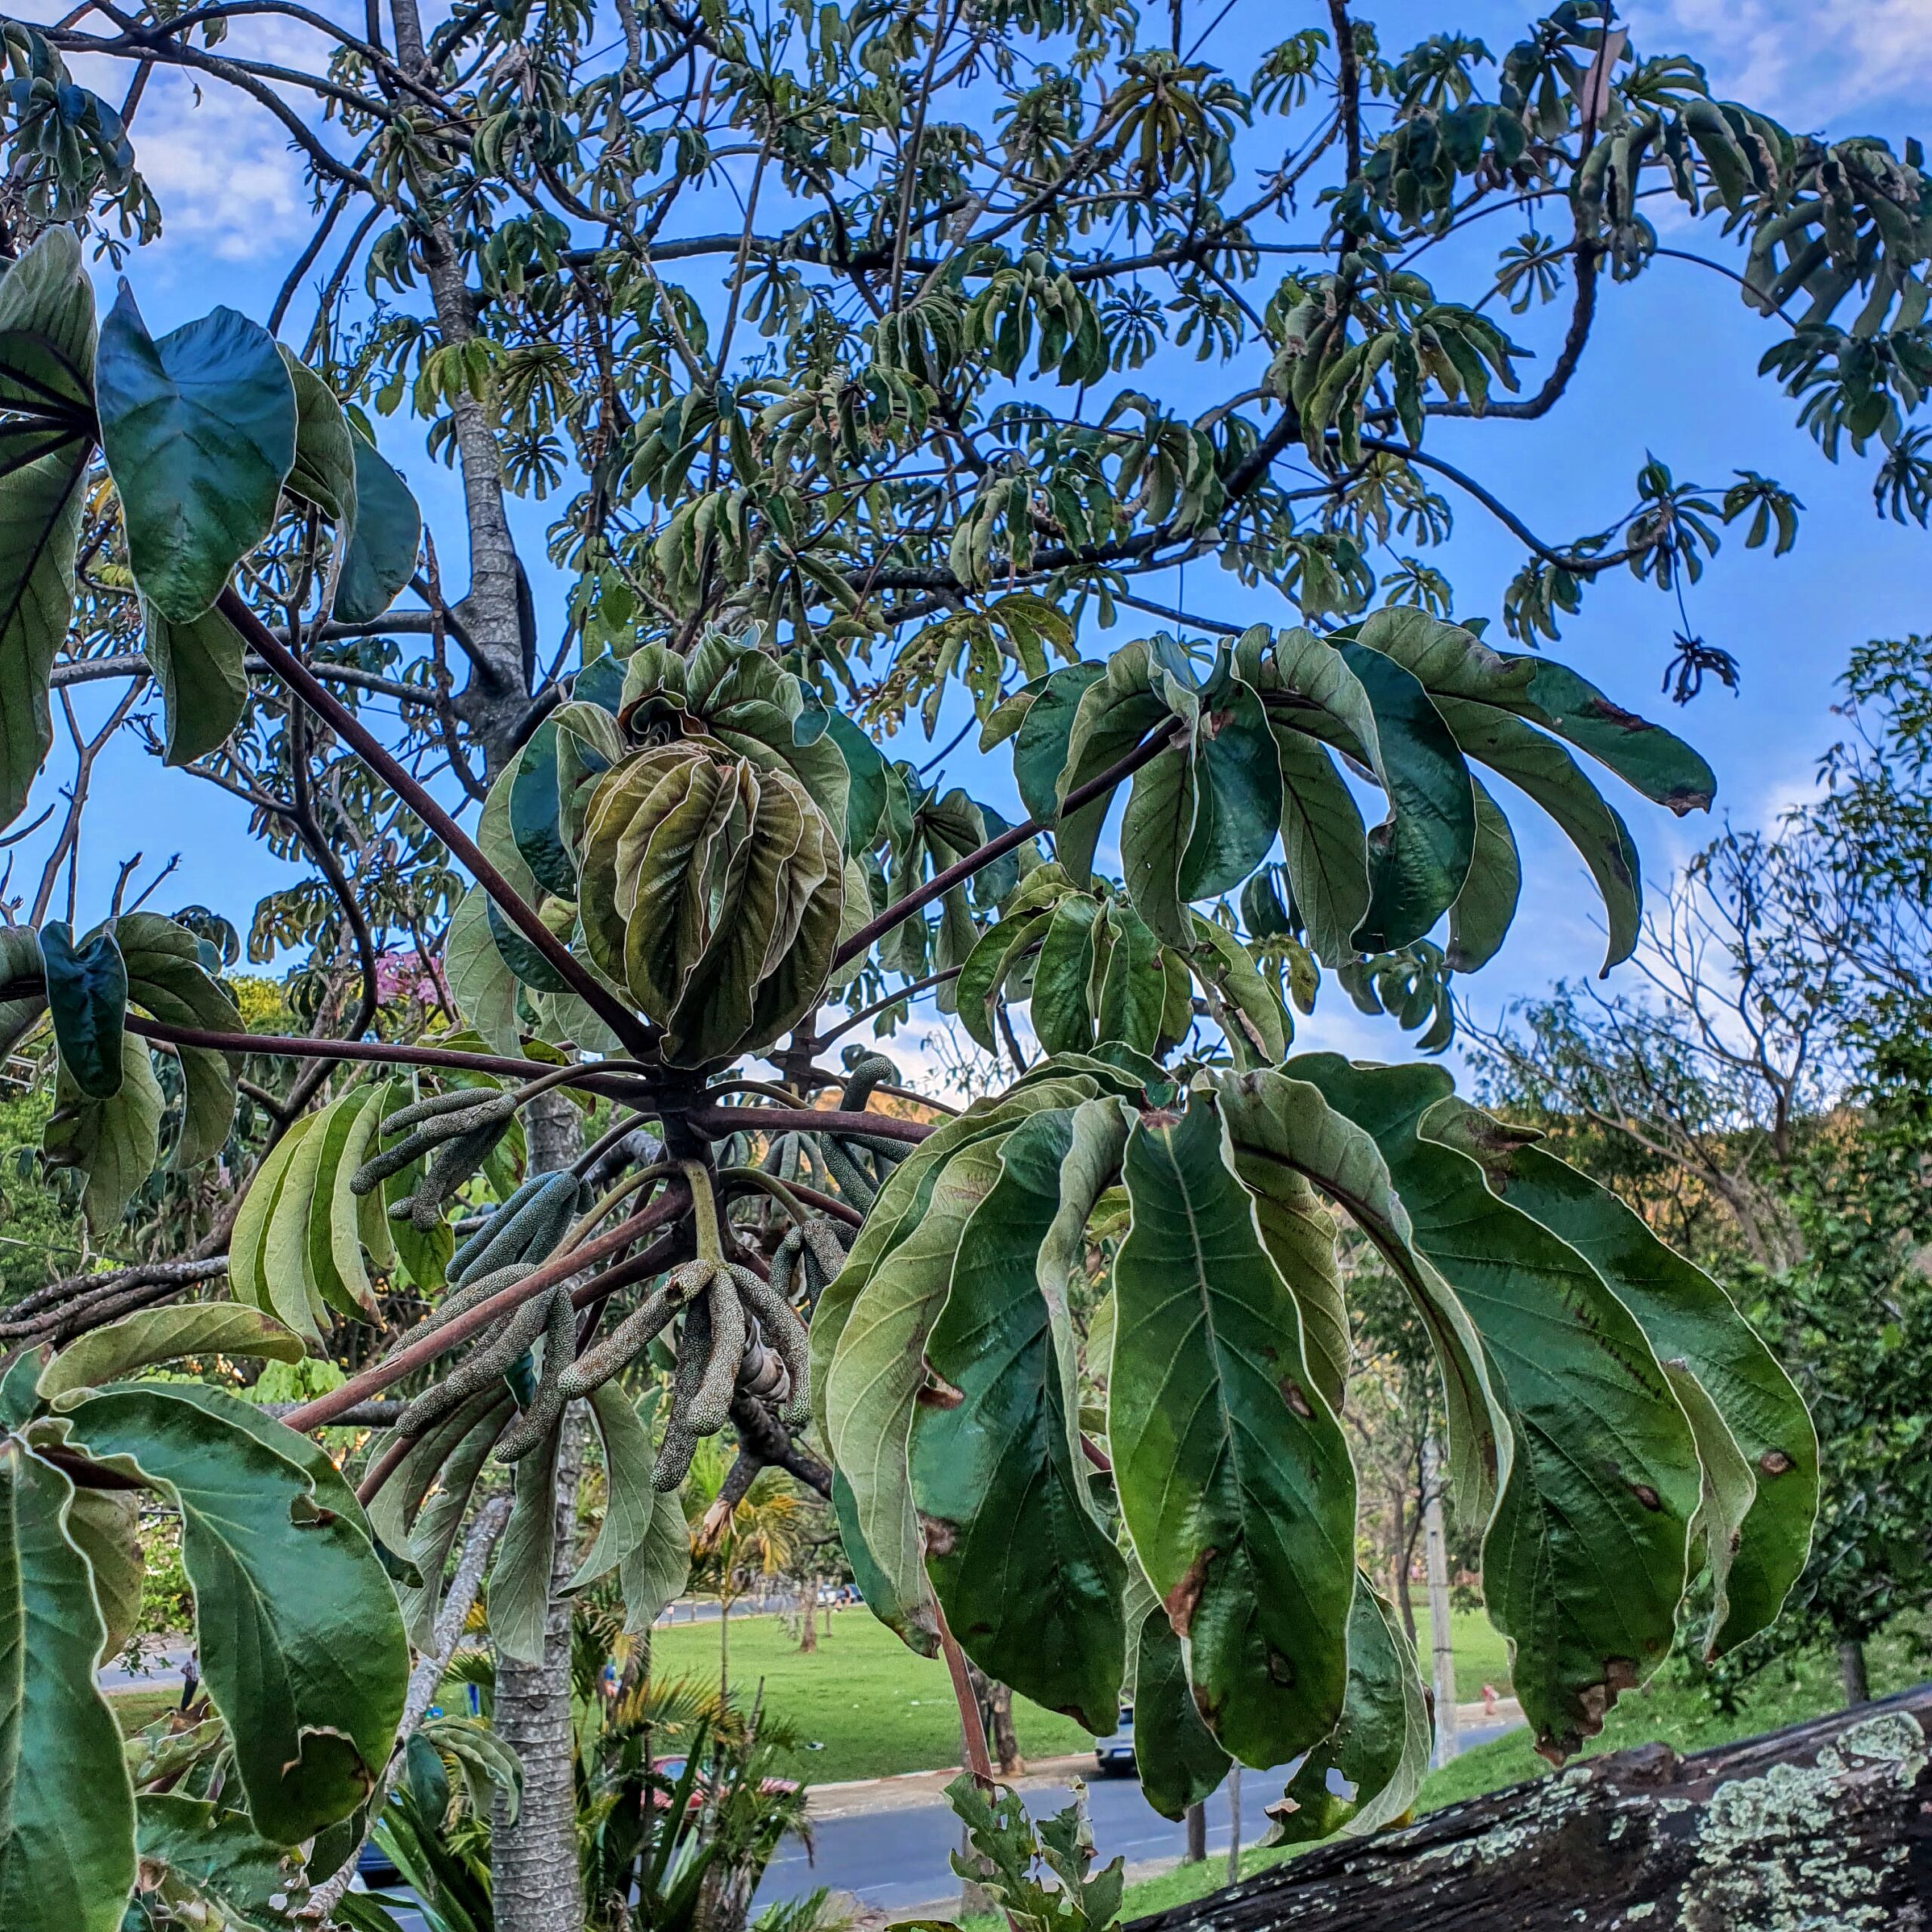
[1810,63]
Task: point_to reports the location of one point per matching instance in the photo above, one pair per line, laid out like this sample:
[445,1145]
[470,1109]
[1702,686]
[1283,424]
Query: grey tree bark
[1442,1637]
[1826,1826]
[535,1883]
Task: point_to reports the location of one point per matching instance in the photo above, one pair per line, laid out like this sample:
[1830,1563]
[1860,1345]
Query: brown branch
[405,1361]
[942,882]
[638,1039]
[1348,82]
[717,1122]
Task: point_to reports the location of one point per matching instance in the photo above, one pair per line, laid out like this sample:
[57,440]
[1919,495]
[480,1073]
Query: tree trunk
[1441,1632]
[1000,1733]
[1197,1834]
[1398,1560]
[724,1644]
[1234,1822]
[1852,1673]
[808,1635]
[534,1879]
[1826,1826]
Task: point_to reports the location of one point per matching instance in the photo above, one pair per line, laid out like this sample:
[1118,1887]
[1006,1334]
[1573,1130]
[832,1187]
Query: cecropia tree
[888,442]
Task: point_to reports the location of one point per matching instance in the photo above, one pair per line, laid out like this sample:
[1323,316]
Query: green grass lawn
[134,1708]
[874,1709]
[868,1703]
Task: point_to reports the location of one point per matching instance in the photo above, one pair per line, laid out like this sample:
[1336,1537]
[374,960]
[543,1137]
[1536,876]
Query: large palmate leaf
[1178,1761]
[380,558]
[872,1382]
[166,1334]
[198,430]
[86,999]
[201,667]
[300,1643]
[1234,1477]
[221,1857]
[167,980]
[1279,1128]
[1029,1577]
[115,1142]
[40,524]
[1584,1560]
[1741,1406]
[67,1807]
[1379,1748]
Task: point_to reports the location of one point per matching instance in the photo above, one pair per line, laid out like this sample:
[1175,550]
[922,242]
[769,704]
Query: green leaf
[106,1527]
[872,1385]
[656,1572]
[865,795]
[86,998]
[1480,918]
[519,1594]
[350,1222]
[324,473]
[1247,1009]
[1175,1755]
[1133,989]
[1237,792]
[982,980]
[1420,855]
[114,1142]
[40,522]
[1278,1125]
[479,977]
[1115,712]
[167,980]
[300,1644]
[221,1857]
[1040,749]
[1062,1016]
[198,430]
[1584,1559]
[1379,1748]
[629,1501]
[19,960]
[380,559]
[66,1807]
[166,1334]
[200,667]
[1234,1477]
[1738,1394]
[453,1466]
[1029,1577]
[536,816]
[330,1222]
[1455,662]
[47,332]
[1539,766]
[1155,833]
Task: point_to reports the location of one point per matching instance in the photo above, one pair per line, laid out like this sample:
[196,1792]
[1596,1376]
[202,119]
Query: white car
[1116,1753]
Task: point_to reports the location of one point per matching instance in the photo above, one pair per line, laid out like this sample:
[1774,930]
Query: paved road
[894,1860]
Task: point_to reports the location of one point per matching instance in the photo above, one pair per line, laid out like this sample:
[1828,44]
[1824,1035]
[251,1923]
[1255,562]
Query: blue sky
[1671,372]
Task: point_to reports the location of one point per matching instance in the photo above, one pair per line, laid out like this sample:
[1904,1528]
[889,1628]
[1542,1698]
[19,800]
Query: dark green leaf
[1062,1010]
[1479,920]
[1175,1755]
[166,1334]
[381,556]
[40,523]
[1756,1553]
[86,998]
[324,473]
[1234,1477]
[1238,790]
[198,430]
[1379,1750]
[519,1594]
[200,667]
[300,1644]
[1133,989]
[167,979]
[536,818]
[1039,752]
[1029,1579]
[66,1807]
[115,1142]
[221,1856]
[1420,855]
[1584,1560]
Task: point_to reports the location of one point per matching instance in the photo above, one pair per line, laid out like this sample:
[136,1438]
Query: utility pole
[1435,1549]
